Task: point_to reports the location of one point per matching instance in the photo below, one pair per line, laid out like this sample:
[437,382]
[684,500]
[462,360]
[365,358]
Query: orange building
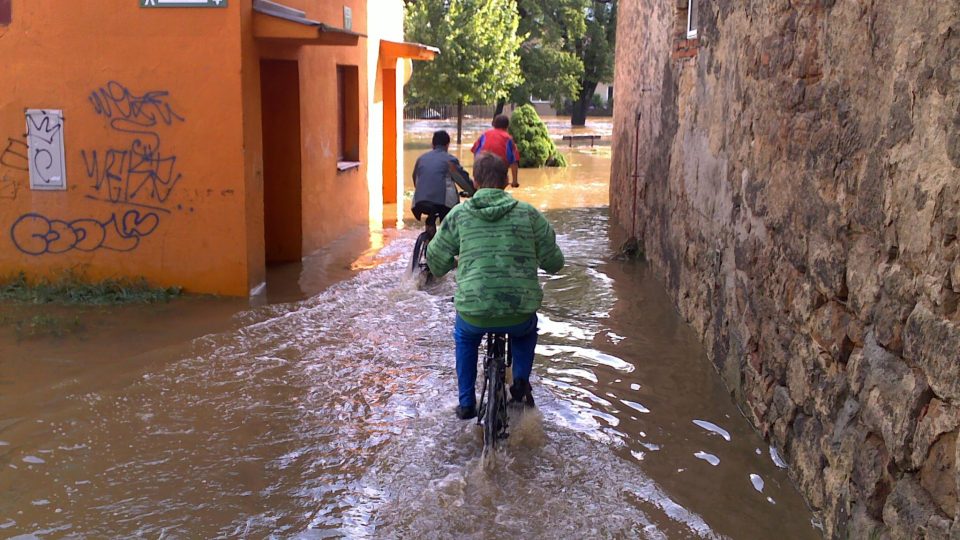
[192,142]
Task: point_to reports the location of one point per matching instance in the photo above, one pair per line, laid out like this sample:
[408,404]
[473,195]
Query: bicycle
[418,262]
[492,412]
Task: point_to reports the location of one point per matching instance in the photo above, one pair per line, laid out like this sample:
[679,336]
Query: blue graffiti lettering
[132,113]
[123,175]
[35,234]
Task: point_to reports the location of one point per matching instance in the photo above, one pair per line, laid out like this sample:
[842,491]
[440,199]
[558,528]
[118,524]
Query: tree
[550,67]
[596,49]
[478,43]
[536,147]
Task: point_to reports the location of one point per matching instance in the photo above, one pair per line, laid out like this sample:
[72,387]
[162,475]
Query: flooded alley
[332,415]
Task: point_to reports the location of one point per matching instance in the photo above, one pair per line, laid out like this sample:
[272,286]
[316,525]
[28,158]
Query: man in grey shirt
[437,178]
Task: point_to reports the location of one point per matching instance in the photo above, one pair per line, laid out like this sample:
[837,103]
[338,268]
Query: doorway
[282,193]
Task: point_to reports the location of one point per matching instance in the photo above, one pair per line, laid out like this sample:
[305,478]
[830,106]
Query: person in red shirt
[498,141]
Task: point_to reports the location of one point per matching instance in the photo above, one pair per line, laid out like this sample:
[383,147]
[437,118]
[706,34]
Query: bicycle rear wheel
[495,415]
[418,262]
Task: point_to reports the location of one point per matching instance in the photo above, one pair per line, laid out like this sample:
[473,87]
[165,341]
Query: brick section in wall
[686,48]
[683,47]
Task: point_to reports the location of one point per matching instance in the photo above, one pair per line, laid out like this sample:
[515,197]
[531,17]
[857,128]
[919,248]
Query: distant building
[193,142]
[605,92]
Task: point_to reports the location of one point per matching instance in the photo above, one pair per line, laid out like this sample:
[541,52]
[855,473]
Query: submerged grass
[57,307]
[71,289]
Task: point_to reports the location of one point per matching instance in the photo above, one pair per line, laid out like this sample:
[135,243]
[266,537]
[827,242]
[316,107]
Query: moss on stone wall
[536,147]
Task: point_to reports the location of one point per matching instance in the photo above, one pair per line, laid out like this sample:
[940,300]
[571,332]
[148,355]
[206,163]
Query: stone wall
[794,174]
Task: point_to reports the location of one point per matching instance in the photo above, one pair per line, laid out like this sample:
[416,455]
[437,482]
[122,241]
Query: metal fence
[443,112]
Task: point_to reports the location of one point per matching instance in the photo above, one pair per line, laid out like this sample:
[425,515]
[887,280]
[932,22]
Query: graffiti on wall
[14,155]
[127,111]
[36,234]
[133,177]
[14,163]
[46,162]
[138,173]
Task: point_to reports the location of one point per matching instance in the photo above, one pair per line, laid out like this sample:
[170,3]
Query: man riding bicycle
[438,179]
[501,242]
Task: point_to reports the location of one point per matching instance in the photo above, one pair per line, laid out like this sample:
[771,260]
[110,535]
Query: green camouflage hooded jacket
[501,243]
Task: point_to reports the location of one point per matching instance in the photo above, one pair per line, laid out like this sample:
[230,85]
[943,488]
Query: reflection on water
[333,417]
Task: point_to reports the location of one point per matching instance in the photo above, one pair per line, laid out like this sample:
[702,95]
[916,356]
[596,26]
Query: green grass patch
[72,289]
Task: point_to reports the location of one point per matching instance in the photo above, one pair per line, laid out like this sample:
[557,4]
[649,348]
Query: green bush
[534,143]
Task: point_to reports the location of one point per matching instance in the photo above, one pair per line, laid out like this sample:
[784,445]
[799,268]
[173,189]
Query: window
[6,11]
[691,19]
[348,116]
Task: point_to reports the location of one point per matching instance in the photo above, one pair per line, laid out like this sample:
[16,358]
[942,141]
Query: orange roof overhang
[275,21]
[392,50]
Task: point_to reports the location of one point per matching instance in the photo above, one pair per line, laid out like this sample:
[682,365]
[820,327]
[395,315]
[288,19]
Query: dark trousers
[432,210]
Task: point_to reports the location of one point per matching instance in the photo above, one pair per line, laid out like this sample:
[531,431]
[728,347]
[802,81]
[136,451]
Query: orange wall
[205,230]
[57,54]
[333,202]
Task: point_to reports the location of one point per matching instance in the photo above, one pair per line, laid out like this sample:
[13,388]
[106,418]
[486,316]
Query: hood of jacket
[490,204]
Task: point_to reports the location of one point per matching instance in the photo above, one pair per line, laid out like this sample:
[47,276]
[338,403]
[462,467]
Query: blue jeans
[523,343]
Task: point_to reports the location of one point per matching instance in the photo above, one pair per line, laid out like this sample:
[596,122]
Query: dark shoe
[521,392]
[466,413]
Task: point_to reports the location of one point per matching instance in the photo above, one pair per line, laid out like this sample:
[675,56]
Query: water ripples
[333,417]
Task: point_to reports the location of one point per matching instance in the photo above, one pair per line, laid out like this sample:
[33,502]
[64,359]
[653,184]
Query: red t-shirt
[499,142]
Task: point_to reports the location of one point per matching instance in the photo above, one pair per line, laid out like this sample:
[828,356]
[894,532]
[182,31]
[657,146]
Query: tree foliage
[478,41]
[536,147]
[550,65]
[596,49]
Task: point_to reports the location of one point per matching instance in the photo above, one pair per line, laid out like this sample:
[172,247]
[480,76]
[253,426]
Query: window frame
[348,117]
[692,25]
[6,12]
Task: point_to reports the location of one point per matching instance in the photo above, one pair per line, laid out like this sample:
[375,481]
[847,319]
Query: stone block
[856,371]
[863,525]
[830,326]
[871,474]
[933,343]
[910,512]
[807,460]
[897,299]
[780,414]
[863,281]
[892,397]
[938,475]
[800,372]
[937,419]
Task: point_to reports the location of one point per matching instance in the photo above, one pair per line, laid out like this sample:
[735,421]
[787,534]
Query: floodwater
[332,416]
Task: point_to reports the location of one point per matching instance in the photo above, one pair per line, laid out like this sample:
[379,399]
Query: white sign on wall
[182,3]
[48,169]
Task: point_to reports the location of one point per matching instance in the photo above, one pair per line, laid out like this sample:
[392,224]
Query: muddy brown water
[331,416]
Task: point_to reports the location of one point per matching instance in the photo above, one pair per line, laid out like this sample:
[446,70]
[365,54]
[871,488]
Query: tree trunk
[500,105]
[578,116]
[459,121]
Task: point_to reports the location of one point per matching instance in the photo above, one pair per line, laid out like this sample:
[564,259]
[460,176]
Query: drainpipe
[632,246]
[636,175]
